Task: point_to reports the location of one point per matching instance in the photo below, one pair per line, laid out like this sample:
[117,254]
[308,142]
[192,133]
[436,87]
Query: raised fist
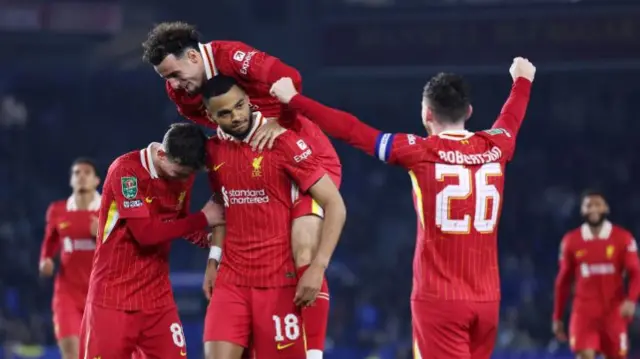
[283,90]
[522,67]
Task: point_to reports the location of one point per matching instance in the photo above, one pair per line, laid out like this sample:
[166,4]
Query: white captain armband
[383,146]
[215,253]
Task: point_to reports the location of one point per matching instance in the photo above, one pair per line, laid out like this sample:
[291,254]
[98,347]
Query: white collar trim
[72,205]
[146,159]
[605,231]
[455,135]
[206,51]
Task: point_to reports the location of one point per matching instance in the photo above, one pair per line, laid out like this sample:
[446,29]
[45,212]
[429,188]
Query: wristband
[215,253]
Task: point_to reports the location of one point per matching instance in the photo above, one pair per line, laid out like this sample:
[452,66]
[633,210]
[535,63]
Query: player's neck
[84,199]
[437,129]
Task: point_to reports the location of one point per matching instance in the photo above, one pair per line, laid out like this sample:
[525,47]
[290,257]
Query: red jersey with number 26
[458,180]
[258,190]
[131,263]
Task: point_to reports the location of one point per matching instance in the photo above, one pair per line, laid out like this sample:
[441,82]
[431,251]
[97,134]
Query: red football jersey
[68,232]
[598,263]
[130,274]
[458,180]
[258,190]
[254,70]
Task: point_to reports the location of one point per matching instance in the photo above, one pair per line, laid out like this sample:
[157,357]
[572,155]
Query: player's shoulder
[129,162]
[57,206]
[290,140]
[621,233]
[572,236]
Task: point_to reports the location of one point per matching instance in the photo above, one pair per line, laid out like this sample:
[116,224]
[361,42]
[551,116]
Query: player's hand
[309,285]
[94,226]
[46,267]
[214,213]
[210,275]
[628,309]
[266,135]
[522,67]
[558,330]
[283,90]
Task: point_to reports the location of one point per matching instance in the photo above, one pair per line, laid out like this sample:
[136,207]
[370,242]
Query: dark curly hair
[169,38]
[448,96]
[185,144]
[592,192]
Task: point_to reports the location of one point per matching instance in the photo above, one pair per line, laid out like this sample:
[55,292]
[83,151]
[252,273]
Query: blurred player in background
[255,295]
[178,55]
[130,306]
[71,227]
[458,179]
[597,254]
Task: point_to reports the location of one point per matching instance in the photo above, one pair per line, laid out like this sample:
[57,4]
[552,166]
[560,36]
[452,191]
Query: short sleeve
[246,61]
[399,148]
[129,192]
[299,161]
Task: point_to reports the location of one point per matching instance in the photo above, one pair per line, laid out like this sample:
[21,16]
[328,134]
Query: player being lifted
[255,292]
[457,178]
[145,204]
[597,254]
[71,227]
[178,55]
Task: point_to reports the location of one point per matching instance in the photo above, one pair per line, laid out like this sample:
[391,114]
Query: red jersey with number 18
[458,180]
[258,190]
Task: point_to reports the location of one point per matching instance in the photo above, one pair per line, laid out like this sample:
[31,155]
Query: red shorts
[305,205]
[454,329]
[67,316]
[266,316]
[607,335]
[112,333]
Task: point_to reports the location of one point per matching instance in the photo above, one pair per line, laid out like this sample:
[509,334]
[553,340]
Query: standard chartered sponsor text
[248,196]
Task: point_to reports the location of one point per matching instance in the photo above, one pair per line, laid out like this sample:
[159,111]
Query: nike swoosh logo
[148,199]
[183,353]
[64,225]
[284,346]
[217,167]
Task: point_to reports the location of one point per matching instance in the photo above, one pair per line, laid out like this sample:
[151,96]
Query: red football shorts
[305,205]
[454,329]
[67,316]
[267,316]
[112,333]
[607,335]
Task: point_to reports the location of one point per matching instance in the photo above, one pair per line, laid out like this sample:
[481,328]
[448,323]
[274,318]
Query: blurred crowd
[580,132]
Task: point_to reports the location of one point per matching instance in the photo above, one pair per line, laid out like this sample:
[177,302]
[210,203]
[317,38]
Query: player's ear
[193,56]
[469,112]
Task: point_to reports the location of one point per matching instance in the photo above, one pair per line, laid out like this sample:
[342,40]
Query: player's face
[231,111]
[184,72]
[594,209]
[84,178]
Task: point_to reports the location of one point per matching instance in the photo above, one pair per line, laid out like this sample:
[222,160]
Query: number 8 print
[177,335]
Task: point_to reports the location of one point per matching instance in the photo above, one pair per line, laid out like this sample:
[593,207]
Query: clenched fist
[522,67]
[283,90]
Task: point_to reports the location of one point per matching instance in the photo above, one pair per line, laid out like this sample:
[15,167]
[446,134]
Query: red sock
[315,317]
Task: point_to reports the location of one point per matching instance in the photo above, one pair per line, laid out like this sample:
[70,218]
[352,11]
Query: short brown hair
[169,38]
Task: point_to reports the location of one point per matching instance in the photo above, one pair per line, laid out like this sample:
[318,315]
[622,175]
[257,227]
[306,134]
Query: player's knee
[305,235]
[69,348]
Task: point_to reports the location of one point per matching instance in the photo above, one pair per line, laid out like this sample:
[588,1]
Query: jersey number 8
[485,218]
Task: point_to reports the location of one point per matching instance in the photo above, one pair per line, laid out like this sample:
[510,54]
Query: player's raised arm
[132,208]
[562,287]
[50,244]
[513,111]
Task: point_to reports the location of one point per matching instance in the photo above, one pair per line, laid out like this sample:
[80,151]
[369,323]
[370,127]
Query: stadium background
[72,83]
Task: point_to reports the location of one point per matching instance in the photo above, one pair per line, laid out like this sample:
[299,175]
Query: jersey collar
[605,231]
[72,205]
[206,51]
[147,159]
[258,121]
[455,135]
